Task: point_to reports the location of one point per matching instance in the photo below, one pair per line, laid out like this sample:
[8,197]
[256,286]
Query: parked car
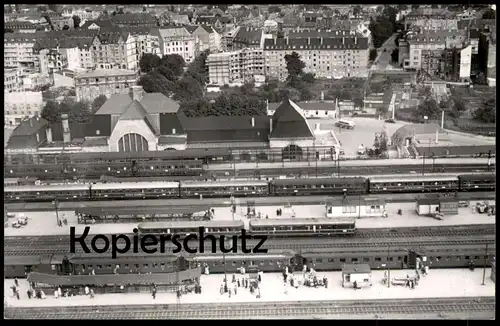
[390,121]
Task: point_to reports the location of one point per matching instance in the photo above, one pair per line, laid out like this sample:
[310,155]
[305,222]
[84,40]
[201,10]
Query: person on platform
[59,291]
[56,294]
[17,295]
[221,289]
[16,282]
[92,293]
[42,295]
[355,285]
[87,291]
[28,293]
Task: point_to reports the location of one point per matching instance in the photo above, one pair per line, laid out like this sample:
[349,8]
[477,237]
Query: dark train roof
[188,153]
[119,279]
[191,224]
[300,221]
[476,177]
[316,181]
[95,258]
[356,268]
[98,211]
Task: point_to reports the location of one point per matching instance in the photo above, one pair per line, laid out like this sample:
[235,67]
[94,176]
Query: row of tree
[78,111]
[384,25]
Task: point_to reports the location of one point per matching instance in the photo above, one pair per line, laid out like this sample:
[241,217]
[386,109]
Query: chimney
[287,40]
[48,131]
[253,122]
[308,40]
[355,40]
[317,126]
[65,125]
[343,40]
[270,126]
[321,40]
[136,92]
[322,95]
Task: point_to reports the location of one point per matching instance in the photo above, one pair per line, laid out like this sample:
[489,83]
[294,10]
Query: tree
[50,111]
[80,112]
[395,55]
[402,7]
[489,14]
[98,103]
[65,28]
[429,108]
[295,67]
[154,83]
[144,9]
[222,7]
[382,28]
[309,78]
[434,6]
[54,7]
[42,8]
[174,62]
[148,62]
[373,54]
[487,112]
[414,7]
[76,21]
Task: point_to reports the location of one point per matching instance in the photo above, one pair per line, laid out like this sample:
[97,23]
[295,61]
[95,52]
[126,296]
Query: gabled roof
[248,35]
[19,25]
[29,127]
[152,103]
[290,122]
[102,23]
[134,111]
[191,29]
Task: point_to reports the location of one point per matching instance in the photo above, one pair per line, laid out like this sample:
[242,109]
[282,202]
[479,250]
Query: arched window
[132,143]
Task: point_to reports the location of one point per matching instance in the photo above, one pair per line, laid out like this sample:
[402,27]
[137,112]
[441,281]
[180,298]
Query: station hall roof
[289,122]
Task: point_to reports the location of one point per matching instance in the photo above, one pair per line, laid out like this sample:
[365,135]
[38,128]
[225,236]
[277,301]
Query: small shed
[493,271]
[355,206]
[359,273]
[437,204]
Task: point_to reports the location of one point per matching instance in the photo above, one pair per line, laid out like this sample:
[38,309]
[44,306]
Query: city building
[115,49]
[12,81]
[425,49]
[18,51]
[235,68]
[19,27]
[64,78]
[84,14]
[58,22]
[219,23]
[330,57]
[28,136]
[312,109]
[146,42]
[134,20]
[247,37]
[90,85]
[487,54]
[177,40]
[431,19]
[21,105]
[207,37]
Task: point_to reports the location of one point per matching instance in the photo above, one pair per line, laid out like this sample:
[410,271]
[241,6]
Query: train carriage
[188,227]
[137,190]
[317,186]
[477,182]
[395,184]
[224,188]
[251,263]
[302,227]
[141,213]
[46,192]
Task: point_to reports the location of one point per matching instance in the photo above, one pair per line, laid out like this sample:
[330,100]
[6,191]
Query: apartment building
[146,42]
[12,81]
[134,20]
[431,19]
[115,50]
[177,40]
[235,68]
[84,14]
[19,27]
[247,37]
[428,47]
[21,105]
[90,85]
[330,57]
[487,55]
[207,37]
[18,51]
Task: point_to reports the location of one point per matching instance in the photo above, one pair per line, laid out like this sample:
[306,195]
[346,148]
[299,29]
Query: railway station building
[139,121]
[355,207]
[431,204]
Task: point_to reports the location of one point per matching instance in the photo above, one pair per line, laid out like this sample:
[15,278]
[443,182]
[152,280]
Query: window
[354,260]
[173,131]
[342,260]
[366,260]
[378,259]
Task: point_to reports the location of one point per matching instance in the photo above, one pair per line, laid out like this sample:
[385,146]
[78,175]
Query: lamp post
[55,202]
[317,155]
[485,262]
[423,164]
[388,266]
[433,161]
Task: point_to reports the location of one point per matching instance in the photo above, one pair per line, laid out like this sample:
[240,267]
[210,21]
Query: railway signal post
[55,202]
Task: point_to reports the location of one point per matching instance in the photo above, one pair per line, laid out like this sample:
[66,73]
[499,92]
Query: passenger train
[257,188]
[445,256]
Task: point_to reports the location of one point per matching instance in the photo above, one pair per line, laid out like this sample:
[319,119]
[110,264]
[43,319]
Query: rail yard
[412,237]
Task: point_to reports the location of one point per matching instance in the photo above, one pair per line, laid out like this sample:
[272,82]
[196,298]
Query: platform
[439,283]
[44,223]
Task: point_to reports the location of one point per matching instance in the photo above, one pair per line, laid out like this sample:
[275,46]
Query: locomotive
[256,188]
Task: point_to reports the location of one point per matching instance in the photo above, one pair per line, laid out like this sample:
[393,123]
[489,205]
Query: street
[383,60]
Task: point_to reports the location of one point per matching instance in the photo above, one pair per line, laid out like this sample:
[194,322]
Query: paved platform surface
[44,223]
[439,283]
[367,163]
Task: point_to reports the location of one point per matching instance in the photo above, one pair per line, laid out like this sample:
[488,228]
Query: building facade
[177,40]
[235,68]
[207,37]
[115,50]
[21,105]
[18,51]
[91,84]
[12,81]
[431,19]
[332,57]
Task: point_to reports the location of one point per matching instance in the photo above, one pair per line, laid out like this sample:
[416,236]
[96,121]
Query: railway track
[369,234]
[278,247]
[310,309]
[224,202]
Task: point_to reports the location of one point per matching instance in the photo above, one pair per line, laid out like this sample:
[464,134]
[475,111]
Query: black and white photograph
[249,161]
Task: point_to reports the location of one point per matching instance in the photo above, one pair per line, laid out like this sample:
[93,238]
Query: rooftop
[106,73]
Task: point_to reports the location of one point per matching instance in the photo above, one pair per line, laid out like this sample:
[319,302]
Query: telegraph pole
[388,266]
[485,262]
[57,210]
